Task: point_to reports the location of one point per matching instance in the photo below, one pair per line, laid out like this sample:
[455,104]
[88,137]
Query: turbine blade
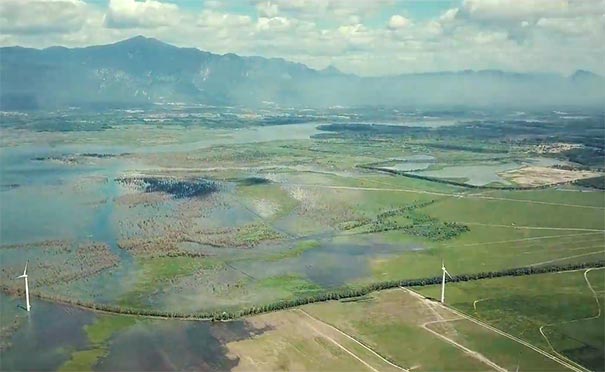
[25,270]
[448,274]
[21,276]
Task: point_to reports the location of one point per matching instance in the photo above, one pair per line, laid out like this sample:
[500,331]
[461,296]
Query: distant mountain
[142,71]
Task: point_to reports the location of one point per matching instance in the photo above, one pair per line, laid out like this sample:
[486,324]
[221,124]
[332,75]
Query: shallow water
[477,175]
[330,265]
[46,337]
[51,332]
[175,345]
[481,175]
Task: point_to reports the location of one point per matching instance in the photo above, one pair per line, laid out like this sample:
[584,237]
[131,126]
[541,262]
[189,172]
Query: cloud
[141,14]
[335,10]
[397,21]
[273,24]
[267,9]
[41,16]
[361,36]
[219,20]
[513,10]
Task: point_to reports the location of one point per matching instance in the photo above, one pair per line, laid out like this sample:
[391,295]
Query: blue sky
[366,37]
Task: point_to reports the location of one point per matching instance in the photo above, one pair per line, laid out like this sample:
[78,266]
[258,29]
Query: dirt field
[537,176]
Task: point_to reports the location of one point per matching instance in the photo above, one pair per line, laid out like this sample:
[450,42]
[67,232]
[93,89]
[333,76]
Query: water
[331,265]
[175,345]
[51,332]
[477,175]
[43,200]
[46,337]
[481,175]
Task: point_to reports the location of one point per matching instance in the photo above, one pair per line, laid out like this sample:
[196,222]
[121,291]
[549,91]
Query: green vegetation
[98,334]
[391,322]
[407,220]
[595,182]
[317,206]
[265,199]
[252,234]
[347,292]
[158,270]
[299,249]
[296,286]
[562,303]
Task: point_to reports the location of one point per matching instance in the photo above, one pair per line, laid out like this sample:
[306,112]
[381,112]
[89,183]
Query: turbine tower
[24,276]
[443,281]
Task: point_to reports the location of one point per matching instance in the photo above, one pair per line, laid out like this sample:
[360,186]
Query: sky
[365,37]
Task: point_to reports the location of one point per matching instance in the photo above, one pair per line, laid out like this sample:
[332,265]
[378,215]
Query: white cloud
[273,24]
[267,9]
[516,35]
[335,10]
[397,21]
[41,16]
[219,20]
[513,10]
[144,14]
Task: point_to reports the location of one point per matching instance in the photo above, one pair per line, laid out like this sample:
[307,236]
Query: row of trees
[455,183]
[342,293]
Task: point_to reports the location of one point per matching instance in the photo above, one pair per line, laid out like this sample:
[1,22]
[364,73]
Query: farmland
[188,220]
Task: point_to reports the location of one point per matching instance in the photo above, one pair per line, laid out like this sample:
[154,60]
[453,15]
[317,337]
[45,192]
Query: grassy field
[383,331]
[561,304]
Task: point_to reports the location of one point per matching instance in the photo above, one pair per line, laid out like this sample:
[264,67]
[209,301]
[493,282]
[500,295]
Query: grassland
[557,312]
[154,273]
[383,331]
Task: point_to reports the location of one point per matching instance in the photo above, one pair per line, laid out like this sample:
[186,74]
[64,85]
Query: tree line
[337,294]
[460,184]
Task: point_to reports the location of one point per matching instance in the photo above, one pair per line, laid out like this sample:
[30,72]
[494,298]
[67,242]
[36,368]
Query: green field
[561,303]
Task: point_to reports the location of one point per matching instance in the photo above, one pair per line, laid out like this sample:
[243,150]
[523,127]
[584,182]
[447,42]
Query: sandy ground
[536,176]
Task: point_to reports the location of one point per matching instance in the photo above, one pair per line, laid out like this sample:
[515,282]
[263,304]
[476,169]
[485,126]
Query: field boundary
[452,195]
[596,298]
[463,315]
[354,340]
[342,293]
[385,360]
[461,184]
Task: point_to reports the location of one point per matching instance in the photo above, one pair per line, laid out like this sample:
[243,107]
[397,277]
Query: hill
[141,71]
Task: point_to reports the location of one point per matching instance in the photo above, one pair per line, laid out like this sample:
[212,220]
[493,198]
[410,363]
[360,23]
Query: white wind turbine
[443,281]
[24,276]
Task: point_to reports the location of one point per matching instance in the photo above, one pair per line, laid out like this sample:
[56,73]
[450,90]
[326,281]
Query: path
[521,227]
[468,196]
[596,298]
[473,354]
[342,347]
[554,358]
[601,251]
[352,339]
[521,239]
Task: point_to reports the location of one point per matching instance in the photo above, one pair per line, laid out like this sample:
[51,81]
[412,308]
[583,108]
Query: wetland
[194,217]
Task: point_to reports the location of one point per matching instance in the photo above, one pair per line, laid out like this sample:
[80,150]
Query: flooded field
[481,175]
[54,333]
[192,221]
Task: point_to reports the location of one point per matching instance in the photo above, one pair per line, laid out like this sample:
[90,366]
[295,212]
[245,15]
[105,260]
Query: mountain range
[141,71]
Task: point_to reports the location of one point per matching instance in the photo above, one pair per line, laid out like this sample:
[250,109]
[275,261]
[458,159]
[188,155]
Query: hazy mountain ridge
[143,70]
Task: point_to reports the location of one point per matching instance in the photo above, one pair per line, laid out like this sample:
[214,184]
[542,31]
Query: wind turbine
[443,281]
[24,276]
